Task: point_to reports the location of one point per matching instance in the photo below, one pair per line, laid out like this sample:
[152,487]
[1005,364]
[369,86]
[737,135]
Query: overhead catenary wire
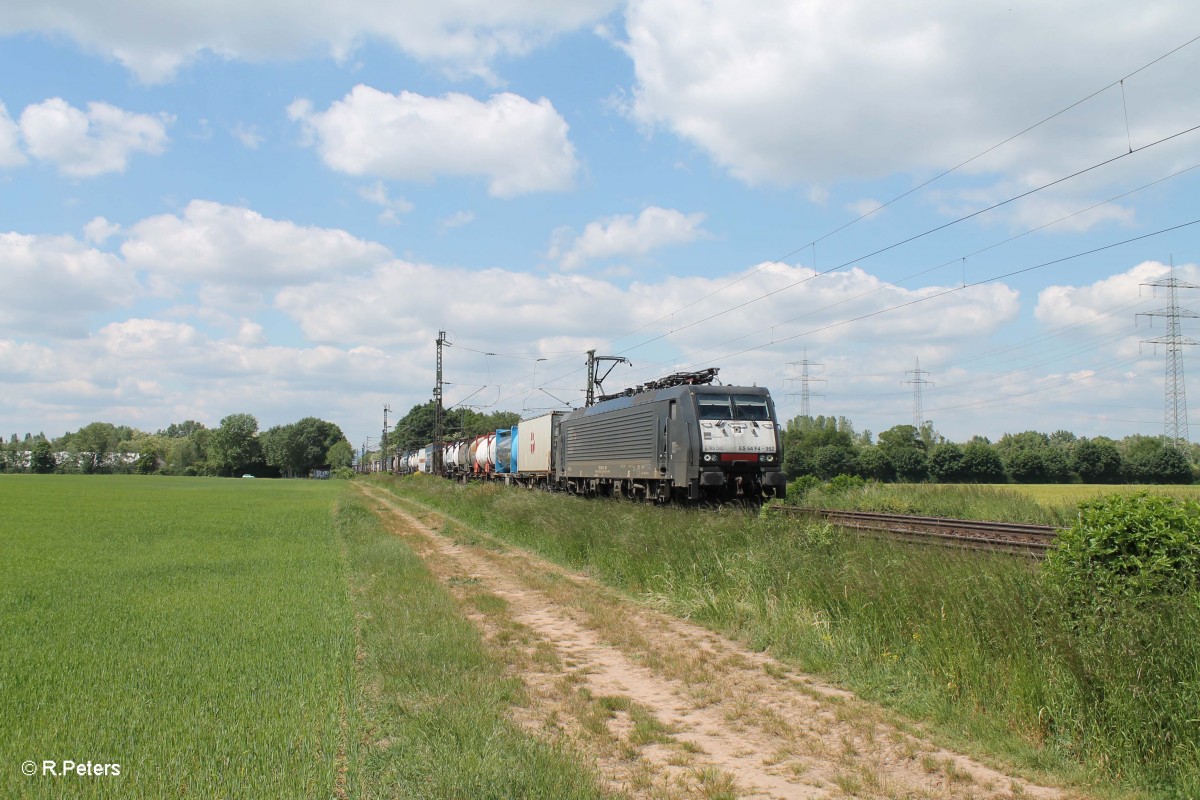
[915,237]
[1131,151]
[813,244]
[896,284]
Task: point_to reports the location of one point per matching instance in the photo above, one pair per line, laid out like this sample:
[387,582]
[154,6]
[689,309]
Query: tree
[905,448]
[1098,461]
[911,464]
[901,437]
[234,448]
[873,463]
[947,463]
[796,462]
[1026,440]
[1163,464]
[152,453]
[42,460]
[340,455]
[182,430]
[301,447]
[1030,457]
[92,446]
[809,433]
[833,460]
[981,464]
[1026,466]
[189,456]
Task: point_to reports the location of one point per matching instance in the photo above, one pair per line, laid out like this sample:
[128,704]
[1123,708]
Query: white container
[535,443]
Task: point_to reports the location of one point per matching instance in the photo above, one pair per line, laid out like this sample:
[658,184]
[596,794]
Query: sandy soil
[667,709]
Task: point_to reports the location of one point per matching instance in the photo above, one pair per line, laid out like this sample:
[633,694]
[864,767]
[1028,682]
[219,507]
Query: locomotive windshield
[736,406]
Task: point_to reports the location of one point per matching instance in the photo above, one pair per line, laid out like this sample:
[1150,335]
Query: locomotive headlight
[767,457]
[710,457]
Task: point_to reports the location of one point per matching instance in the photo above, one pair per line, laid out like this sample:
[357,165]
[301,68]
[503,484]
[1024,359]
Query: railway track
[1003,537]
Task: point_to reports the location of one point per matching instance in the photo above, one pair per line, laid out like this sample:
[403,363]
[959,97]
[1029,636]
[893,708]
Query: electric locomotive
[677,438]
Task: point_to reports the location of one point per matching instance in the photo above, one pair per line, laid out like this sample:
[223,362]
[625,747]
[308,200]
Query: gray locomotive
[678,438]
[675,439]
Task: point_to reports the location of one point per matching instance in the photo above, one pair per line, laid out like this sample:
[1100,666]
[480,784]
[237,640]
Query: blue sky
[209,208]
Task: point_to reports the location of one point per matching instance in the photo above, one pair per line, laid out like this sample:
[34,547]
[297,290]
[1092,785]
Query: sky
[220,207]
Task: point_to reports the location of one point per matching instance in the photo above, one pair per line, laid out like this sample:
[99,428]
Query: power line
[915,237]
[805,379]
[918,383]
[1120,81]
[905,241]
[1175,422]
[897,283]
[955,289]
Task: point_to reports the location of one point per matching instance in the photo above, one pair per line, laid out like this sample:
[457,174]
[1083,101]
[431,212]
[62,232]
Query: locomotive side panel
[625,443]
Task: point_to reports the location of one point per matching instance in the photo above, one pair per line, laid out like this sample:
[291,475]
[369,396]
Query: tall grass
[955,501]
[973,642]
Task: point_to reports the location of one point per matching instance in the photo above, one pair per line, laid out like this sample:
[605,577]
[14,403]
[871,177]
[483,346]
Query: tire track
[668,709]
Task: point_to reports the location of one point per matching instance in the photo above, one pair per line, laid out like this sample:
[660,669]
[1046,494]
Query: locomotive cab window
[738,406]
[749,406]
[714,406]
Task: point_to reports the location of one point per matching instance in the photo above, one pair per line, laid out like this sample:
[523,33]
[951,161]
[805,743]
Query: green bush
[1124,579]
[1127,548]
[845,483]
[801,486]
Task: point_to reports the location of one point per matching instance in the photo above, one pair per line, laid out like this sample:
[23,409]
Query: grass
[221,638]
[1070,494]
[431,717]
[1041,504]
[972,643]
[196,632]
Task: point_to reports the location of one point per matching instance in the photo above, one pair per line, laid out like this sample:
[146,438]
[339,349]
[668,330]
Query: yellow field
[1053,494]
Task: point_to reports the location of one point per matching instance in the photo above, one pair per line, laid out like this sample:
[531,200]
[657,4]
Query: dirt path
[671,710]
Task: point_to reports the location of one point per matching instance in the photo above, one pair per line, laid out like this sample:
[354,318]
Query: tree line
[235,447]
[826,447]
[415,429]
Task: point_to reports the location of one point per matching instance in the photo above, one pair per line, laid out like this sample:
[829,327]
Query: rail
[1004,537]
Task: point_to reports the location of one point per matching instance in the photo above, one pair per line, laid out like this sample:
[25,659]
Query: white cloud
[10,151]
[84,145]
[455,220]
[99,230]
[862,208]
[392,206]
[56,282]
[1109,305]
[237,247]
[785,92]
[154,39]
[518,145]
[519,311]
[248,135]
[622,235]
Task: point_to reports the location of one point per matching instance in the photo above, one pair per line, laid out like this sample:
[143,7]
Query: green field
[227,638]
[192,631]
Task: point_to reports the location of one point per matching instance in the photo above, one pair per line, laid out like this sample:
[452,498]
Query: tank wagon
[679,438]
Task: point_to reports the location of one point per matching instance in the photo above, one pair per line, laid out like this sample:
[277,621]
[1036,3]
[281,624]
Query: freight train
[679,438]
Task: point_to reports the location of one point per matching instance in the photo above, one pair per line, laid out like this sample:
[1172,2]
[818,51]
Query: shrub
[801,486]
[845,483]
[1127,548]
